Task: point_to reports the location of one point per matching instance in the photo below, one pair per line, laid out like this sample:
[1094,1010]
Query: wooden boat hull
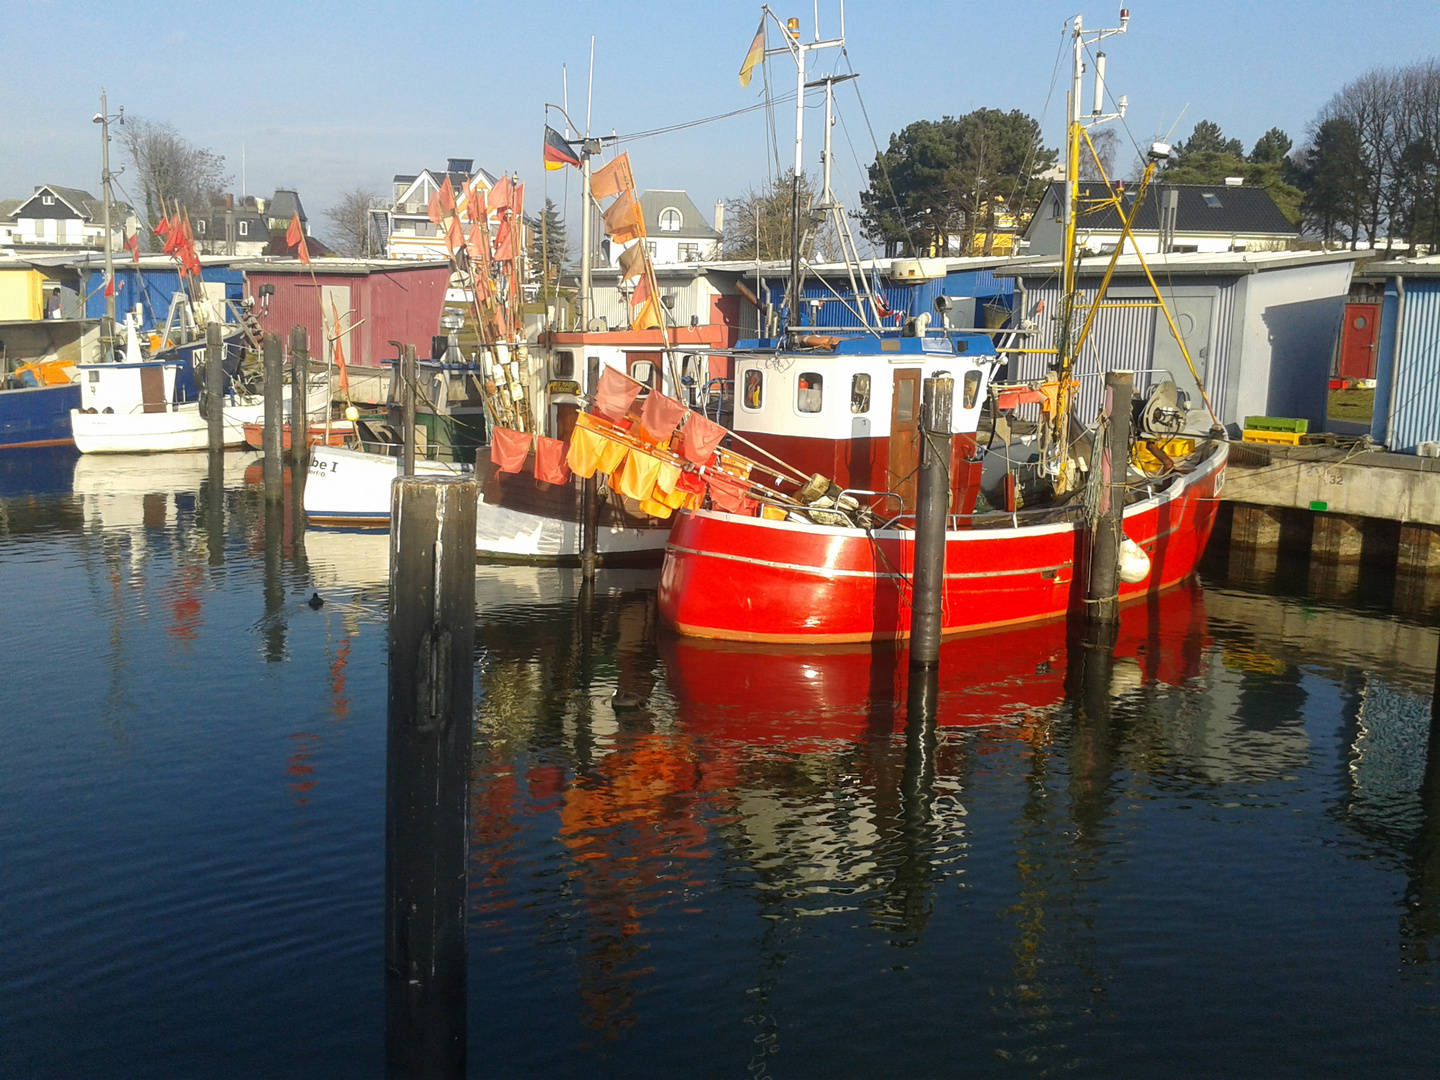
[751,579]
[340,430]
[523,520]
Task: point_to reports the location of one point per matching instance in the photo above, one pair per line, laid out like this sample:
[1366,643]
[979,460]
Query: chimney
[230,202]
[719,216]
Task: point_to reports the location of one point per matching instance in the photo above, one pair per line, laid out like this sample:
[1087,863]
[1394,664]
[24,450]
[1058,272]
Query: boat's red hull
[750,579]
[340,430]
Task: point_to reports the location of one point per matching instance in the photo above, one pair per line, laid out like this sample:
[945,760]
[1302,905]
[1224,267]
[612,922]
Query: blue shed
[152,284]
[1407,361]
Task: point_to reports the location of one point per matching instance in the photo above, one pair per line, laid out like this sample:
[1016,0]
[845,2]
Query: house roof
[81,201]
[1429,266]
[285,204]
[316,247]
[9,206]
[356,267]
[1203,208]
[1235,263]
[214,218]
[438,175]
[693,225]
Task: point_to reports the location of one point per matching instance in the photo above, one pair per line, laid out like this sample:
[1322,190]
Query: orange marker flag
[133,243]
[648,317]
[612,178]
[295,238]
[475,208]
[504,241]
[642,289]
[434,210]
[500,193]
[447,196]
[517,201]
[340,351]
[632,262]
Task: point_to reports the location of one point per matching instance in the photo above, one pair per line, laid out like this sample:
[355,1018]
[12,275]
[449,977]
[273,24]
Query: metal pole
[1102,598]
[582,302]
[430,724]
[274,392]
[407,407]
[793,318]
[299,402]
[215,388]
[590,500]
[932,509]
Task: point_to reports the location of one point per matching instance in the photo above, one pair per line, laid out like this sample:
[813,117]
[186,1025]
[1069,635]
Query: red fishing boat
[834,560]
[316,434]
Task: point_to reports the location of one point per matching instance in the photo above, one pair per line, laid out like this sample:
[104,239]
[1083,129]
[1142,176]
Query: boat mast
[797,50]
[107,327]
[1060,466]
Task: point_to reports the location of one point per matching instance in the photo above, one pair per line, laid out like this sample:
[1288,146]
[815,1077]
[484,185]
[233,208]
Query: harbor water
[1215,854]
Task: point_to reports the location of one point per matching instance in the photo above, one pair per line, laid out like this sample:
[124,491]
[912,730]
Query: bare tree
[1107,146]
[757,224]
[350,222]
[170,168]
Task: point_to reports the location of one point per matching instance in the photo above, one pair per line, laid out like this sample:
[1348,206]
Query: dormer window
[244,228]
[670,220]
[200,226]
[47,200]
[1211,200]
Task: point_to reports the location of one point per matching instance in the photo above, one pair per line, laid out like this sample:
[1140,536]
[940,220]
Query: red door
[1357,341]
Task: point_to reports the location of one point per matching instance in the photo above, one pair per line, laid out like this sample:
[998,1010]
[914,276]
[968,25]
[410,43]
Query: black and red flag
[558,152]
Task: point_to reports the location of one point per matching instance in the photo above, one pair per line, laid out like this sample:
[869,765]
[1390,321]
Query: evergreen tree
[548,247]
[1207,138]
[1271,148]
[1333,177]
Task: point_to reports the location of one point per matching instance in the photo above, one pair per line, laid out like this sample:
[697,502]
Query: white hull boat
[350,488]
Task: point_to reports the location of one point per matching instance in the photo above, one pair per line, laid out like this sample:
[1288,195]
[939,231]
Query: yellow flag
[755,55]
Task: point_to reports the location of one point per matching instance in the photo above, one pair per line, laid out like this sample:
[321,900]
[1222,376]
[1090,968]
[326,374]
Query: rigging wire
[652,132]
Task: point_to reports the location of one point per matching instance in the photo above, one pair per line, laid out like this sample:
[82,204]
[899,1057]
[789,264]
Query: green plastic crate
[1277,423]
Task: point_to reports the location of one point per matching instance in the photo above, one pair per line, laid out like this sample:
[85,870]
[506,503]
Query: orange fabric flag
[434,210]
[612,178]
[659,415]
[447,196]
[636,478]
[586,449]
[509,449]
[454,236]
[699,439]
[163,226]
[642,290]
[517,202]
[623,222]
[475,208]
[504,241]
[648,317]
[730,494]
[499,197]
[340,351]
[477,238]
[615,393]
[632,262]
[550,464]
[133,243]
[295,238]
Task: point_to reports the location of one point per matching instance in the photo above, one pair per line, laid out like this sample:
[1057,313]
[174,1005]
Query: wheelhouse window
[643,371]
[752,394]
[905,401]
[563,365]
[809,390]
[860,392]
[971,393]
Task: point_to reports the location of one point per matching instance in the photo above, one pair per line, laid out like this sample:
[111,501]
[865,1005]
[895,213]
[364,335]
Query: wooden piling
[589,527]
[932,510]
[274,393]
[299,408]
[407,407]
[1102,598]
[427,780]
[215,387]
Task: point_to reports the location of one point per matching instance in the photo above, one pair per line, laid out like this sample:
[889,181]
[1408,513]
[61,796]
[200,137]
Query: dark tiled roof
[285,204]
[1227,210]
[86,205]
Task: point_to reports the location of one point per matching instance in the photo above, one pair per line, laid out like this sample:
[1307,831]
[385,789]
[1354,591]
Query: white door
[1193,317]
[336,301]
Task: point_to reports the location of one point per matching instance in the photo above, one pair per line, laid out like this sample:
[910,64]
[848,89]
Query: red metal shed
[377,301]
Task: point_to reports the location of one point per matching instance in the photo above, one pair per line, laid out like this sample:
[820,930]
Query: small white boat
[351,488]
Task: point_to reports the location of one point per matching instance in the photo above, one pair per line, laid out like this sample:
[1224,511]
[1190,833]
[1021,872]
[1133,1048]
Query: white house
[403,227]
[675,230]
[57,216]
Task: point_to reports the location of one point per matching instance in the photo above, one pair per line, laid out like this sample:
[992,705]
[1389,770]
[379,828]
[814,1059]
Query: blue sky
[328,96]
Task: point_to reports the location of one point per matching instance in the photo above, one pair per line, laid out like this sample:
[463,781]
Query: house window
[1211,201]
[689,252]
[244,228]
[670,220]
[972,389]
[753,392]
[808,392]
[860,392]
[200,226]
[650,249]
[47,200]
[564,365]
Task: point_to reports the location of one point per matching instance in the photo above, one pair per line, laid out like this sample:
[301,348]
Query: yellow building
[21,298]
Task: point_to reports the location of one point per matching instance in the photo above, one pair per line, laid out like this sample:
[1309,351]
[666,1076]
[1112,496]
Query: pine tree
[548,248]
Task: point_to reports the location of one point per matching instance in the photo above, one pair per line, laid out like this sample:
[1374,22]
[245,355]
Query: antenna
[590,92]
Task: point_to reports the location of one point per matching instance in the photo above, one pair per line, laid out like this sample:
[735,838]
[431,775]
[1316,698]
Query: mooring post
[589,527]
[1102,598]
[215,387]
[274,394]
[407,407]
[299,402]
[427,777]
[932,509]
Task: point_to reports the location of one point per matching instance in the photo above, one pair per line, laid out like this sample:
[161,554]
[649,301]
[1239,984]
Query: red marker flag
[133,243]
[340,352]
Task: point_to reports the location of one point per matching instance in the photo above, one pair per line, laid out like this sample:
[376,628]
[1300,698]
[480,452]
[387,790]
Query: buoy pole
[430,723]
[407,407]
[1102,597]
[273,470]
[932,509]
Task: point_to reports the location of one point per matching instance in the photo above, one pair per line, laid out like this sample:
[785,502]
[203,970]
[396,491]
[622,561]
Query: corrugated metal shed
[383,300]
[1260,328]
[153,282]
[1407,364]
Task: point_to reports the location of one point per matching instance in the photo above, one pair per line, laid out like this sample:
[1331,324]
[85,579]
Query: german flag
[755,55]
[557,151]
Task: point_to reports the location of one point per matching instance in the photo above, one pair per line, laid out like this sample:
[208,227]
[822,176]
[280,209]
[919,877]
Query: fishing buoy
[352,413]
[1134,563]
